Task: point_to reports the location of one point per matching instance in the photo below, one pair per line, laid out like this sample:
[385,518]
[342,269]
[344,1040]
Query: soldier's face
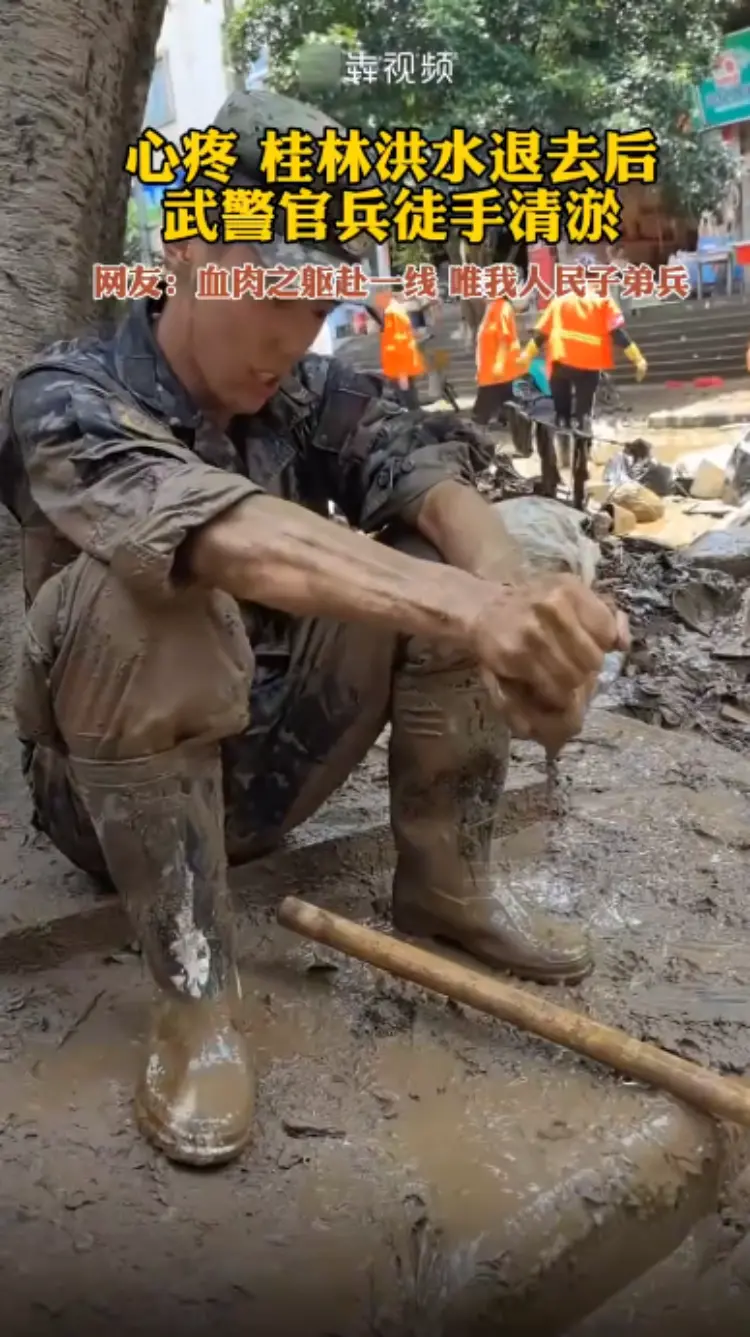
[242,347]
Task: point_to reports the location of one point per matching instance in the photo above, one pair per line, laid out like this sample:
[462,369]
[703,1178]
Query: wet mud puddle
[386,1123]
[532,1175]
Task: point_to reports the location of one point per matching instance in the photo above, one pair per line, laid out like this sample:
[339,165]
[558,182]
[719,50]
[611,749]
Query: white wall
[192,50]
[190,79]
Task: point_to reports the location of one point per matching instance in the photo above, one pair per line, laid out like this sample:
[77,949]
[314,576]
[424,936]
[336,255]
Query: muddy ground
[689,668]
[404,1147]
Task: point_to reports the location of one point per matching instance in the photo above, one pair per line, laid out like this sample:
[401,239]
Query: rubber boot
[545,444]
[581,455]
[520,427]
[448,762]
[564,447]
[160,823]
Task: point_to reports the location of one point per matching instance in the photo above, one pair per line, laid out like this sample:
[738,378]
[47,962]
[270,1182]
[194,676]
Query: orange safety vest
[400,357]
[579,331]
[498,345]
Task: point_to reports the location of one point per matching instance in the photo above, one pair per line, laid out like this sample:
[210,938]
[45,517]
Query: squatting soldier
[207,656]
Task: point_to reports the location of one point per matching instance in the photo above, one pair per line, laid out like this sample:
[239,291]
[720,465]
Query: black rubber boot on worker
[546,449]
[160,823]
[564,447]
[582,442]
[448,763]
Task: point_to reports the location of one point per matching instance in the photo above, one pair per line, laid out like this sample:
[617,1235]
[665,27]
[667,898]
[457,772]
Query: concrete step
[688,367]
[680,341]
[665,313]
[694,337]
[684,364]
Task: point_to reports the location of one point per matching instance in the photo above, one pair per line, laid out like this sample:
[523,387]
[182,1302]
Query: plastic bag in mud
[737,474]
[635,464]
[552,540]
[550,536]
[612,670]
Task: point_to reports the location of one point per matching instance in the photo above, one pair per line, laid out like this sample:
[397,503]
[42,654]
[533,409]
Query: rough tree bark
[74,77]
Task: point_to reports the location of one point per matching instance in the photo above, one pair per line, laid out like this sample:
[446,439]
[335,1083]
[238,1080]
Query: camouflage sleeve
[112,479]
[379,457]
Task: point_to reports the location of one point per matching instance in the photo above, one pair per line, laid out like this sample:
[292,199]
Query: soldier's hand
[552,729]
[548,637]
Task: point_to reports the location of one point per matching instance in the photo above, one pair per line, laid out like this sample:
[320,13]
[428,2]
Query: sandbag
[645,505]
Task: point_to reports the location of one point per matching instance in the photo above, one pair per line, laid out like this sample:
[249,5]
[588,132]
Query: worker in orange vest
[498,355]
[400,358]
[579,334]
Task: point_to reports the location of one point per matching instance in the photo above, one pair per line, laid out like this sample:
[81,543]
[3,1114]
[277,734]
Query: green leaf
[554,64]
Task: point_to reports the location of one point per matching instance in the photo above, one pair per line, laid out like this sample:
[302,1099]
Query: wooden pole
[722,1097]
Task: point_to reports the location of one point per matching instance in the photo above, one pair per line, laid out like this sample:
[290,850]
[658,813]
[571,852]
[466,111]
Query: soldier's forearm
[469,533]
[276,553]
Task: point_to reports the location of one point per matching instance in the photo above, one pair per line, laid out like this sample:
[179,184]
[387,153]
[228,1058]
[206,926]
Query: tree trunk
[73,84]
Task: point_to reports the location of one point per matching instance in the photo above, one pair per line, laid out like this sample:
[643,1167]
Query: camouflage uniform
[107,457]
[167,728]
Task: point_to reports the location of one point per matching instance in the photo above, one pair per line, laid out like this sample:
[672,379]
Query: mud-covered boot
[448,763]
[520,428]
[581,454]
[545,444]
[564,447]
[160,823]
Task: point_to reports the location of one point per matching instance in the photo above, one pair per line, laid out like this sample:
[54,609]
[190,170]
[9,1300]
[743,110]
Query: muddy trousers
[573,393]
[491,400]
[155,752]
[151,756]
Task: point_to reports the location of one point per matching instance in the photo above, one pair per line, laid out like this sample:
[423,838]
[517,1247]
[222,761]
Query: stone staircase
[681,340]
[688,339]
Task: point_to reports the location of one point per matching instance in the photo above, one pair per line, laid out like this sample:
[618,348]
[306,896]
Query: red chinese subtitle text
[351,283]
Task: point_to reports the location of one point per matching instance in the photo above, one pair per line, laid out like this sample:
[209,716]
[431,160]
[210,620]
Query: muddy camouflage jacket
[102,452]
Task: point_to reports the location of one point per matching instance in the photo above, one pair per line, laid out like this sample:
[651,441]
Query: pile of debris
[502,479]
[689,667]
[689,610]
[634,484]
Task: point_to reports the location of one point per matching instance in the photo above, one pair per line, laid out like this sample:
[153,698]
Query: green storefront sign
[724,99]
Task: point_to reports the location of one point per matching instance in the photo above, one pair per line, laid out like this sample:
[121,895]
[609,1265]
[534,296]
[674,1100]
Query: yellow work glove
[527,355]
[634,355]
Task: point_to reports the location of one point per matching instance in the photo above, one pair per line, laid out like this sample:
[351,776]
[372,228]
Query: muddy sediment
[689,668]
[409,1152]
[410,1155]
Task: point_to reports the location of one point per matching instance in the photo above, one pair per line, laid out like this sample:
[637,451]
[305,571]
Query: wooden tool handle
[723,1097]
